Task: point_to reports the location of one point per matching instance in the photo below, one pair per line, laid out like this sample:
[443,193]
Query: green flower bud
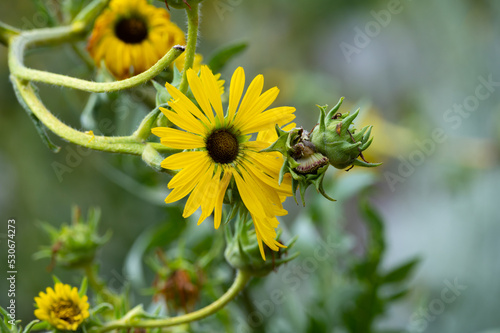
[336,138]
[242,251]
[177,282]
[333,141]
[74,245]
[302,161]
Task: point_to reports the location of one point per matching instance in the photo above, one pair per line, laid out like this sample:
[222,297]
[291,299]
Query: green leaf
[28,327]
[56,279]
[83,287]
[43,9]
[176,81]
[376,229]
[40,128]
[224,54]
[162,95]
[399,274]
[397,295]
[3,323]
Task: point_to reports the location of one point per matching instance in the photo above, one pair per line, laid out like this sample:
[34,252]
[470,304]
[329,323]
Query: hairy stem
[116,144]
[239,284]
[19,44]
[193,16]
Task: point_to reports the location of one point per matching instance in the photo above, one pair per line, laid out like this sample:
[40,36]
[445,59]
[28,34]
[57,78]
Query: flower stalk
[193,16]
[128,321]
[117,144]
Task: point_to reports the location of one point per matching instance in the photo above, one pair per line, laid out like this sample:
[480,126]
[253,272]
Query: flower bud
[302,161]
[336,138]
[74,245]
[242,251]
[333,141]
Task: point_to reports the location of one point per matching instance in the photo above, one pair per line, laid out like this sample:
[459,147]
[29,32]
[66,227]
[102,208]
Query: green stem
[117,144]
[6,33]
[239,284]
[19,44]
[100,287]
[193,16]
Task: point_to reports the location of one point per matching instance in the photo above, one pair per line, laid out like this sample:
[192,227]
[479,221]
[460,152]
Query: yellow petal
[261,103]
[208,204]
[220,197]
[268,119]
[199,194]
[174,138]
[185,103]
[235,91]
[181,160]
[199,94]
[251,95]
[183,119]
[189,172]
[212,91]
[186,184]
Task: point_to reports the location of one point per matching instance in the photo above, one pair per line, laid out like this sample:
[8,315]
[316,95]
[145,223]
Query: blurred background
[424,73]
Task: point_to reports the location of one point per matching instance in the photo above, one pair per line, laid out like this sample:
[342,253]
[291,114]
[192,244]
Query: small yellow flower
[62,308]
[131,36]
[219,151]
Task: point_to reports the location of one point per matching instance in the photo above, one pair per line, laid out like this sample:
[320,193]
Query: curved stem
[19,44]
[239,284]
[193,16]
[117,144]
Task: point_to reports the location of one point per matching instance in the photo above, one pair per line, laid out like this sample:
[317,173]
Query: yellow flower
[219,150]
[131,36]
[63,308]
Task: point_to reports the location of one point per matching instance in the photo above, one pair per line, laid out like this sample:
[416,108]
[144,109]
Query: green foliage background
[426,59]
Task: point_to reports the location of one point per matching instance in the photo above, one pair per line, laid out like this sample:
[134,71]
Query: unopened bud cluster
[334,140]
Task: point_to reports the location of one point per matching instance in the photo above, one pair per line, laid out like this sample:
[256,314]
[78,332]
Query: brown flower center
[131,30]
[222,146]
[67,311]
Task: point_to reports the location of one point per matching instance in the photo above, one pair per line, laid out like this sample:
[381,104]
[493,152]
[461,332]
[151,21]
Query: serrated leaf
[224,54]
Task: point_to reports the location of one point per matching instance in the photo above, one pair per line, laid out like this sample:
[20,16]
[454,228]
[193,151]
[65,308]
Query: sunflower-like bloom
[219,150]
[131,36]
[62,308]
